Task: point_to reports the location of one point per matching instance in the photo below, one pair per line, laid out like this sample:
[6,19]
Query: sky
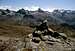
[47,5]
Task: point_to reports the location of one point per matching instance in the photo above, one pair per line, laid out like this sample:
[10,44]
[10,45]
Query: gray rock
[36,39]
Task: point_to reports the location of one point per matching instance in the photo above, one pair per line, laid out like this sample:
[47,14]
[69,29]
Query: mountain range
[35,17]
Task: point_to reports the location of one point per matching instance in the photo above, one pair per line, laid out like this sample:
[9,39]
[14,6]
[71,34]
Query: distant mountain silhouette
[32,17]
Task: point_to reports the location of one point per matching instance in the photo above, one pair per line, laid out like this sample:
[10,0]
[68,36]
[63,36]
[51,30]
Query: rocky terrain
[32,17]
[58,20]
[25,30]
[42,39]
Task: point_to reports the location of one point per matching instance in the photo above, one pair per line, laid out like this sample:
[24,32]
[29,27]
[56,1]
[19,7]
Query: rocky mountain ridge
[33,17]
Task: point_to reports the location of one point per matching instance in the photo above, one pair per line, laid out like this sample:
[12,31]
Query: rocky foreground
[41,39]
[21,45]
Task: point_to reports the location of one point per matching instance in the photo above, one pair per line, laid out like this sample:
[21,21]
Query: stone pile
[45,34]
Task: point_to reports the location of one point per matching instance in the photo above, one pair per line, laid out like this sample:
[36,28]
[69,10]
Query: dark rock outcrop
[43,33]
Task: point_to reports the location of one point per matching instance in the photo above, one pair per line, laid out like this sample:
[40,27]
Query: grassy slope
[14,30]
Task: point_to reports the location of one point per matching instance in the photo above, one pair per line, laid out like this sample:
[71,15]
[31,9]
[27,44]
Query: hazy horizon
[46,5]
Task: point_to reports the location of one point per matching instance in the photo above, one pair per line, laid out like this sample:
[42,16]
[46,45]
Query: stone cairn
[43,33]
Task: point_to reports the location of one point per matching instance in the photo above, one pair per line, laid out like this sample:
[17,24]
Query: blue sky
[48,5]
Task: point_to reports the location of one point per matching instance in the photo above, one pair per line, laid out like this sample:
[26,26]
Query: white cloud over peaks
[47,9]
[32,8]
[5,7]
[9,7]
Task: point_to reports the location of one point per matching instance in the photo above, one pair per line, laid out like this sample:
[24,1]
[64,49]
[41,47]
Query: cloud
[32,8]
[47,9]
[8,7]
[5,7]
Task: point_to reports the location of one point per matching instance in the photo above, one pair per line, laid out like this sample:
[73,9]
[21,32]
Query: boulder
[64,36]
[44,38]
[36,39]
